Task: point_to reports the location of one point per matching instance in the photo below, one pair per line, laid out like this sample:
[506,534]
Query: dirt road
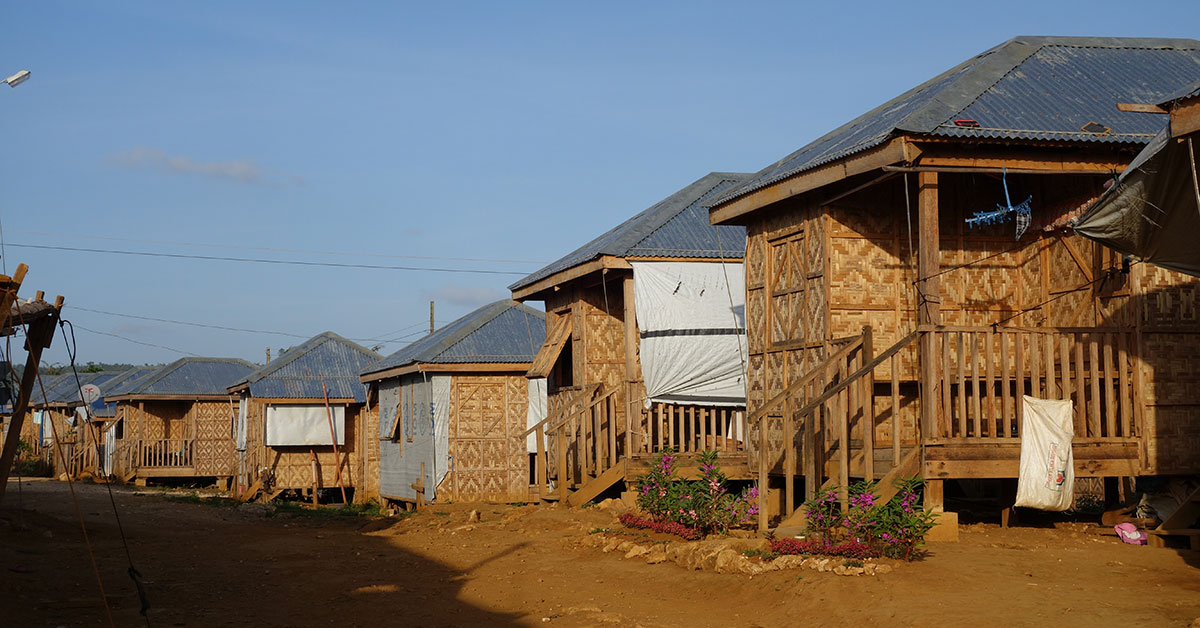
[210,565]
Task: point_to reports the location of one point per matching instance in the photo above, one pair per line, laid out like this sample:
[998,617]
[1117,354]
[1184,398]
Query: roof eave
[533,291]
[736,210]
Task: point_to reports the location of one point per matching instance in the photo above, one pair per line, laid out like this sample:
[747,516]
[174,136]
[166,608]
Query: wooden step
[598,485]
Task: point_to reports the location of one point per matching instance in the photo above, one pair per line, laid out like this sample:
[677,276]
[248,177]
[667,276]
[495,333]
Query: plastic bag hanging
[1020,212]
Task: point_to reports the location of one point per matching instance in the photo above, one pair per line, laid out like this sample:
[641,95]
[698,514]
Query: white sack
[1047,473]
[537,411]
[693,338]
[304,425]
[440,391]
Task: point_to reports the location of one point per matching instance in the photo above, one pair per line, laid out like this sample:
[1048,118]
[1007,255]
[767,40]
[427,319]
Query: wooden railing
[124,458]
[985,371]
[164,452]
[689,429]
[578,442]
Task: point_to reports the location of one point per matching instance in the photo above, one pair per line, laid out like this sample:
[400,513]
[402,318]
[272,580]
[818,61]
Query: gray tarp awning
[1153,211]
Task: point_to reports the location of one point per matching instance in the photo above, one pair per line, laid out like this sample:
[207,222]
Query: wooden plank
[1019,397]
[542,470]
[843,421]
[946,426]
[976,402]
[558,337]
[1135,107]
[989,381]
[1006,384]
[895,384]
[967,469]
[1050,389]
[867,403]
[1064,356]
[1035,370]
[563,475]
[1094,366]
[762,474]
[1110,393]
[962,384]
[1081,387]
[591,489]
[1123,383]
[611,421]
[789,461]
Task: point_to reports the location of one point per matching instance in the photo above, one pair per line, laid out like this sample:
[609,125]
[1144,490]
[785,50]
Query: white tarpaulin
[440,391]
[1047,473]
[536,412]
[110,446]
[304,425]
[693,331]
[243,409]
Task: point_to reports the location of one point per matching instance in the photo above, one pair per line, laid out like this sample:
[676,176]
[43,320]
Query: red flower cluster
[630,520]
[849,549]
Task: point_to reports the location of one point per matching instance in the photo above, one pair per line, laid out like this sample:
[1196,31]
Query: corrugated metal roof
[128,381]
[502,332]
[676,226]
[192,376]
[1028,88]
[1190,91]
[323,359]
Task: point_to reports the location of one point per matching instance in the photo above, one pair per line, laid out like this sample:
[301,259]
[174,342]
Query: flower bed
[849,549]
[704,505]
[631,520]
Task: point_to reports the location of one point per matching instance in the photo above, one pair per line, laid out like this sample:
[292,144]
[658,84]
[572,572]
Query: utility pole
[268,355]
[431,317]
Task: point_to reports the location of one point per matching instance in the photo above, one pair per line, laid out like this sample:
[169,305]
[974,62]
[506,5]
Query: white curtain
[536,412]
[306,424]
[440,385]
[692,320]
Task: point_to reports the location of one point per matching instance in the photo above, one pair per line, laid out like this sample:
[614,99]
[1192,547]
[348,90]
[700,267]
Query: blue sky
[494,131]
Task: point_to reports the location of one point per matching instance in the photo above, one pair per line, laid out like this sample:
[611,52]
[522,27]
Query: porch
[584,447]
[945,403]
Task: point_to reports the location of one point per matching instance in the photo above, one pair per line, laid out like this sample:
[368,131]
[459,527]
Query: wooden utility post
[431,317]
[929,314]
[37,338]
[631,367]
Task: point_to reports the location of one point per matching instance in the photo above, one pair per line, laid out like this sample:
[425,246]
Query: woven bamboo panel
[1170,297]
[756,261]
[214,450]
[775,373]
[781,318]
[756,381]
[1031,285]
[1172,368]
[815,325]
[292,466]
[861,220]
[756,314]
[1074,306]
[815,229]
[992,278]
[865,273]
[487,418]
[1174,439]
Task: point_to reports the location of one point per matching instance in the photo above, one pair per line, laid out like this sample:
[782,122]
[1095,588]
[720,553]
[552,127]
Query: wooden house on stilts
[645,346]
[178,421]
[454,407]
[290,412]
[909,278]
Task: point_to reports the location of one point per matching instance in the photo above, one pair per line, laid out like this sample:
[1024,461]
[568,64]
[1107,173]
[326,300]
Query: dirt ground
[211,565]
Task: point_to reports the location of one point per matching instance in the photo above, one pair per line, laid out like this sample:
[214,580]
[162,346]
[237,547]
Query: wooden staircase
[1184,522]
[828,423]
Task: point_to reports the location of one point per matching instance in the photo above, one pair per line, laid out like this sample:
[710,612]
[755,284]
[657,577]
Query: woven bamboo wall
[369,442]
[598,337]
[214,451]
[487,417]
[292,466]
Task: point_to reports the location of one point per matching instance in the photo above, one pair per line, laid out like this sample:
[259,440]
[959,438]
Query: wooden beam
[1135,107]
[570,274]
[1041,159]
[929,295]
[891,152]
[1185,118]
[974,170]
[632,370]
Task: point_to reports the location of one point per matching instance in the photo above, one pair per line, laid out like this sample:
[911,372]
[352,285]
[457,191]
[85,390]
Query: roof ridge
[453,339]
[296,352]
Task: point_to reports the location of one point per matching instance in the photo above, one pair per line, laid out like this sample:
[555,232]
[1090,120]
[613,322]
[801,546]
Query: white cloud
[240,170]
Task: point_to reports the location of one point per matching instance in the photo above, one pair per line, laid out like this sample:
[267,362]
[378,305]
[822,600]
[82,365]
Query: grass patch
[299,509]
[193,498]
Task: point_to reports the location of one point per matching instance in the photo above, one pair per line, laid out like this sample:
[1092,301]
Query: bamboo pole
[337,462]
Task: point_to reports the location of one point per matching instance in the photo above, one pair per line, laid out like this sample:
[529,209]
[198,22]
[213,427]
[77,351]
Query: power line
[148,344]
[271,261]
[383,338]
[277,250]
